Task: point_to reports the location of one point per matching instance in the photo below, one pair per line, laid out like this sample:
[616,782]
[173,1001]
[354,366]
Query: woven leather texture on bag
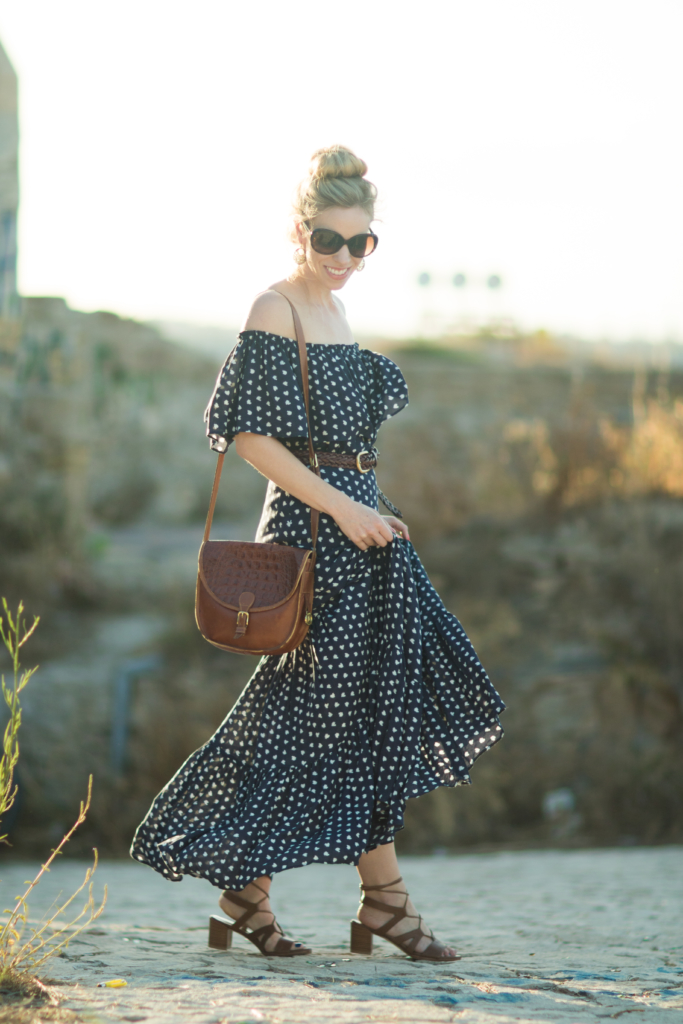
[268,571]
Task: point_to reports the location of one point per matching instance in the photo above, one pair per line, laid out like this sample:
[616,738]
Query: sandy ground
[545,936]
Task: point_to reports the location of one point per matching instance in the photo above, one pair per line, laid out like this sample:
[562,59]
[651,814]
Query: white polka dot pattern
[385,700]
[259,391]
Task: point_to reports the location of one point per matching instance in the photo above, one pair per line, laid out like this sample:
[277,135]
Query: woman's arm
[361,524]
[270,311]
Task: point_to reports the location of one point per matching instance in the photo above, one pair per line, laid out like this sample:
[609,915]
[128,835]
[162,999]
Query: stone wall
[544,500]
[105,476]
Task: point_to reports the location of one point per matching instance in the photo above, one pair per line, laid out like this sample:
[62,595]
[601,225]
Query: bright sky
[538,139]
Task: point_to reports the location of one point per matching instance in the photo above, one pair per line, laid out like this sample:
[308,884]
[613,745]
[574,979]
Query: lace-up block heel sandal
[361,934]
[221,931]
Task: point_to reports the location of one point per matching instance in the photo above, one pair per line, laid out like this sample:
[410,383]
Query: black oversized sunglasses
[328,242]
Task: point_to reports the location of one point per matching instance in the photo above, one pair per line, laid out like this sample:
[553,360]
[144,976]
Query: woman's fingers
[387,532]
[379,536]
[398,526]
[369,542]
[365,527]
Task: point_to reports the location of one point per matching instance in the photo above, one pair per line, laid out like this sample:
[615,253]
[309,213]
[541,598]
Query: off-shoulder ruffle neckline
[312,344]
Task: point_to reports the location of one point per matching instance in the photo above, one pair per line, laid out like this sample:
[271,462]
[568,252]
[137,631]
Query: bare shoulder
[270,312]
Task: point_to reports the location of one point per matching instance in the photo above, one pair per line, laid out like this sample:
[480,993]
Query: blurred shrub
[579,625]
[547,508]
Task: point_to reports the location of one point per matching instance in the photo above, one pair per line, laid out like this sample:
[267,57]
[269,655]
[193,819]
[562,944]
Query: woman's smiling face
[334,271]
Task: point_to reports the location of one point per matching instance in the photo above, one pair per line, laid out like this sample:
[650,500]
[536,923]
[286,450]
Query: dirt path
[570,937]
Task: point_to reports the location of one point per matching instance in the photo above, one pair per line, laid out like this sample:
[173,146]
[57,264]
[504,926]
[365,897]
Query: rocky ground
[556,936]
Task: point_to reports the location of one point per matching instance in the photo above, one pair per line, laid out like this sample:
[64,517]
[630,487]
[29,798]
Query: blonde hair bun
[336,177]
[336,162]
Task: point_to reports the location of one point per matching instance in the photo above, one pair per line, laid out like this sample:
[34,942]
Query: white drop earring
[361,266]
[299,256]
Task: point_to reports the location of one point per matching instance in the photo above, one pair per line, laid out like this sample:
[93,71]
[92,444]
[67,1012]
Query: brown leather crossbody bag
[257,598]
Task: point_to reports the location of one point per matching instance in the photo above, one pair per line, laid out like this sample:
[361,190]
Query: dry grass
[25,1000]
[23,947]
[31,1012]
[504,446]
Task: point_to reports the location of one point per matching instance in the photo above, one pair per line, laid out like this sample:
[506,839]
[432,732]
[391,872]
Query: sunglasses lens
[361,245]
[326,242]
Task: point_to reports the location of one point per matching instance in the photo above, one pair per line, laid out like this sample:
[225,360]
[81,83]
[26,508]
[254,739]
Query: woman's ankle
[258,887]
[378,890]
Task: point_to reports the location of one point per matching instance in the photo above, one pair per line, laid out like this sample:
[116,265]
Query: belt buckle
[358,464]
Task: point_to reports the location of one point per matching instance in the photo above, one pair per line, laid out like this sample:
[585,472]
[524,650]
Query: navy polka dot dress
[384,700]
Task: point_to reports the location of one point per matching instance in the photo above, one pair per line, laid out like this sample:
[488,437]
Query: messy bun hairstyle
[336,177]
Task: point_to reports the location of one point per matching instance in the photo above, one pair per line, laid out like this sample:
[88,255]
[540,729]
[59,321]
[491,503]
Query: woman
[385,699]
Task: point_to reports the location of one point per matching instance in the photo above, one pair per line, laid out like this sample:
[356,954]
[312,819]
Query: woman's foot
[257,892]
[395,896]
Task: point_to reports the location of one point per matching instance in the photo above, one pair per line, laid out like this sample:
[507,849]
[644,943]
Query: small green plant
[23,946]
[14,636]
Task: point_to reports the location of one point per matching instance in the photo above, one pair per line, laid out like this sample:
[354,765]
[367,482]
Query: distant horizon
[536,142]
[173,328]
[218,340]
[175,324]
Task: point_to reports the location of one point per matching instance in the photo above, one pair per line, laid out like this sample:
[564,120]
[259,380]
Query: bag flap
[270,572]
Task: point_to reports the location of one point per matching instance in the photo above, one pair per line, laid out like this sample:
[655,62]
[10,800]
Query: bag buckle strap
[245,602]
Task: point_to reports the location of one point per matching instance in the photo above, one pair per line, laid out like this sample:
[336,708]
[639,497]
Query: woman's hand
[397,526]
[363,525]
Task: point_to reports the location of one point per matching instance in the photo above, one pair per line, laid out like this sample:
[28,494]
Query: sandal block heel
[361,938]
[220,933]
[408,941]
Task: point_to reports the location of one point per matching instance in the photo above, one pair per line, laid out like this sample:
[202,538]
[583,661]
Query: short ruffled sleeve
[258,391]
[388,388]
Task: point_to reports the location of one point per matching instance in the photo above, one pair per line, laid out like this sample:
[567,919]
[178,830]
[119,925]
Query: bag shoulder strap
[303,359]
[313,461]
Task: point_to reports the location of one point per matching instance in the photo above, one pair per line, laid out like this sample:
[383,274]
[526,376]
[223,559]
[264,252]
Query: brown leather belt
[363,462]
